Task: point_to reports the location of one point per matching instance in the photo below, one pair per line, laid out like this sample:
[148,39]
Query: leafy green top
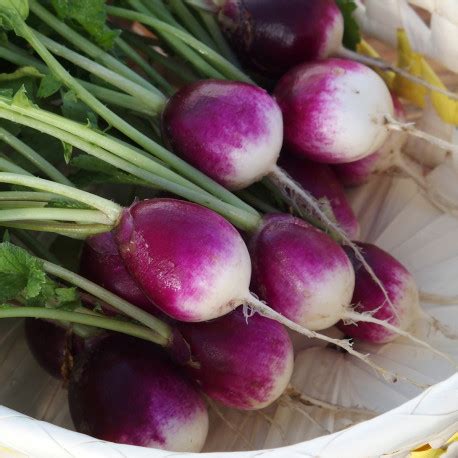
[352,33]
[91,15]
[12,9]
[23,279]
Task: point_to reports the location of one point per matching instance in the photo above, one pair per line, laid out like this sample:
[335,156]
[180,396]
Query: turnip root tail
[297,396]
[393,124]
[294,193]
[383,65]
[437,325]
[355,317]
[260,307]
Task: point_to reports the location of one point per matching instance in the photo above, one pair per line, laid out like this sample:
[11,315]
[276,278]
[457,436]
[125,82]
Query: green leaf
[21,73]
[92,164]
[65,203]
[21,99]
[68,151]
[352,33]
[11,10]
[49,85]
[6,236]
[76,110]
[91,16]
[20,273]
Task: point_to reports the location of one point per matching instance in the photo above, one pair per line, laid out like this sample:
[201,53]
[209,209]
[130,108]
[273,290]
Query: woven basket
[395,214]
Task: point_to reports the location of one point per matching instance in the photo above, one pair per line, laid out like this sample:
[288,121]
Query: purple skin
[52,346]
[300,271]
[359,172]
[127,391]
[272,38]
[102,264]
[321,181]
[333,110]
[229,130]
[368,297]
[189,260]
[242,365]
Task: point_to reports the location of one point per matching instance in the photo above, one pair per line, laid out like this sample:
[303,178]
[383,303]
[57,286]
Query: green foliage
[11,11]
[49,85]
[23,279]
[352,33]
[76,110]
[91,16]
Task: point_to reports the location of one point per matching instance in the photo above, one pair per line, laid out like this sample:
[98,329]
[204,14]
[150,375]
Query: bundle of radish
[180,267]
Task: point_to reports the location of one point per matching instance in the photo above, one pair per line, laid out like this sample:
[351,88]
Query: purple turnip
[334,111]
[102,264]
[53,346]
[126,390]
[242,363]
[271,37]
[321,181]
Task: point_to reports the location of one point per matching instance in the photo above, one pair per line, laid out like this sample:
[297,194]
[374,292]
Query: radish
[358,172]
[53,346]
[127,391]
[301,272]
[334,110]
[271,38]
[242,363]
[307,277]
[321,181]
[231,131]
[101,263]
[367,297]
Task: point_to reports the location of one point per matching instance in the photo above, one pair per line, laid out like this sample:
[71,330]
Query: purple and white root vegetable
[126,390]
[229,130]
[271,38]
[53,346]
[301,272]
[334,111]
[367,297]
[188,260]
[101,263]
[321,181]
[244,363]
[359,172]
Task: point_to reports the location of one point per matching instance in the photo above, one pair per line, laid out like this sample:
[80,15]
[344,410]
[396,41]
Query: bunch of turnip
[209,278]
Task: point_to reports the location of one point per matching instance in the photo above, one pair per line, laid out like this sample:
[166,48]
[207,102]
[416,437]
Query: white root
[393,124]
[287,186]
[383,65]
[295,395]
[287,402]
[346,345]
[354,318]
[227,422]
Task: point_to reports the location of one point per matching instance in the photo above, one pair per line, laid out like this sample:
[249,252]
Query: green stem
[110,96]
[109,208]
[179,46]
[72,230]
[159,10]
[123,306]
[42,164]
[34,245]
[157,150]
[87,46]
[59,214]
[27,195]
[229,70]
[154,101]
[190,22]
[258,203]
[241,218]
[87,319]
[179,69]
[209,20]
[144,65]
[7,204]
[8,166]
